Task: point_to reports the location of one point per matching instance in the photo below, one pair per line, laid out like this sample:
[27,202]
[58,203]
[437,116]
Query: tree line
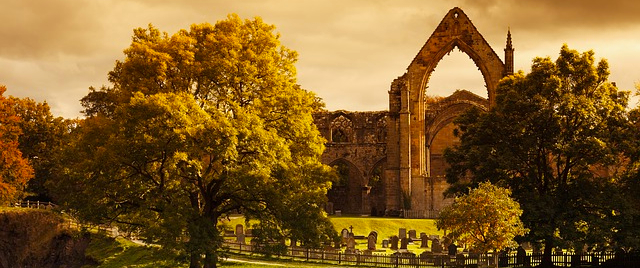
[211,121]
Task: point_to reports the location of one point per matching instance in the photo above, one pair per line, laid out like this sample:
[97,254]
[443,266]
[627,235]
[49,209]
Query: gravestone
[402,233]
[239,229]
[424,240]
[436,247]
[294,243]
[453,249]
[345,235]
[375,234]
[404,242]
[412,235]
[240,239]
[385,243]
[394,242]
[371,242]
[351,245]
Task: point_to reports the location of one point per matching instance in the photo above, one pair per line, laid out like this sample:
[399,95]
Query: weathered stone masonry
[392,160]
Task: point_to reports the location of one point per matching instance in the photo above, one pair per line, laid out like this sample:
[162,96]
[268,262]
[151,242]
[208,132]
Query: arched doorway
[346,193]
[376,186]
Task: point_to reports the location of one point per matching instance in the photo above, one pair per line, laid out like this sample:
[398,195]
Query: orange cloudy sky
[350,50]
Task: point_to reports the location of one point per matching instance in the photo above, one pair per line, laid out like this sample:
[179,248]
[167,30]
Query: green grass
[119,252]
[386,227]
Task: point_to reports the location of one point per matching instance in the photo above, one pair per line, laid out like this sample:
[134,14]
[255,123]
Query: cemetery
[408,248]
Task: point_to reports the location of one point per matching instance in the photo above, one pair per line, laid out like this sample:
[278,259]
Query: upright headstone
[351,244]
[294,243]
[402,233]
[453,249]
[412,235]
[424,240]
[240,239]
[394,242]
[385,243]
[404,242]
[436,247]
[375,234]
[345,235]
[371,242]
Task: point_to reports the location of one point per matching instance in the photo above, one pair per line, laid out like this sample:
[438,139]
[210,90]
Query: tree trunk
[194,261]
[210,260]
[546,255]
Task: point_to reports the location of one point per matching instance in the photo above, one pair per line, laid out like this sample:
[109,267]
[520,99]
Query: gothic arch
[455,30]
[409,166]
[346,194]
[341,129]
[376,183]
[449,109]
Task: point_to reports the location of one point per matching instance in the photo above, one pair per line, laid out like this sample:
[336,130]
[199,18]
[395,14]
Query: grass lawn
[119,252]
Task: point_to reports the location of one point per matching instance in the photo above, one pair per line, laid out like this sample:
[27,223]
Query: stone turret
[508,55]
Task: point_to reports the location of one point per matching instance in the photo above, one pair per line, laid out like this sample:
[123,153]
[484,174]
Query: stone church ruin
[391,162]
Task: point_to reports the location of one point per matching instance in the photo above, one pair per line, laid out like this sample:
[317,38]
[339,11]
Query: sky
[349,50]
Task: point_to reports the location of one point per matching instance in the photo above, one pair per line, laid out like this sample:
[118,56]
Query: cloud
[350,51]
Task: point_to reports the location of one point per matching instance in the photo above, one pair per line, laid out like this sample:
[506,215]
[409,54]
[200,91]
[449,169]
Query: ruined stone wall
[358,143]
[356,140]
[404,147]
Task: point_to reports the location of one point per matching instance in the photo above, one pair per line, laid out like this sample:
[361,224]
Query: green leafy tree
[42,139]
[199,125]
[554,137]
[15,170]
[486,219]
[627,211]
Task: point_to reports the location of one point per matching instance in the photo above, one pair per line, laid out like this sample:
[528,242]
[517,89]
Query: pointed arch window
[341,130]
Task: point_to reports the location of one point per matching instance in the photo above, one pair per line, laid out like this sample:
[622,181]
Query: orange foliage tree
[15,171]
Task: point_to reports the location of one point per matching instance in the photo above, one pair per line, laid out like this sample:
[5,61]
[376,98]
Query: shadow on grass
[116,253]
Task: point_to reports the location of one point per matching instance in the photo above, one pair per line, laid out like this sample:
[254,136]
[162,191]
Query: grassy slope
[119,252]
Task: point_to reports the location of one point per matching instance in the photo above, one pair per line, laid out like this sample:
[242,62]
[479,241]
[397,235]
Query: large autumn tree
[554,138]
[15,170]
[198,125]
